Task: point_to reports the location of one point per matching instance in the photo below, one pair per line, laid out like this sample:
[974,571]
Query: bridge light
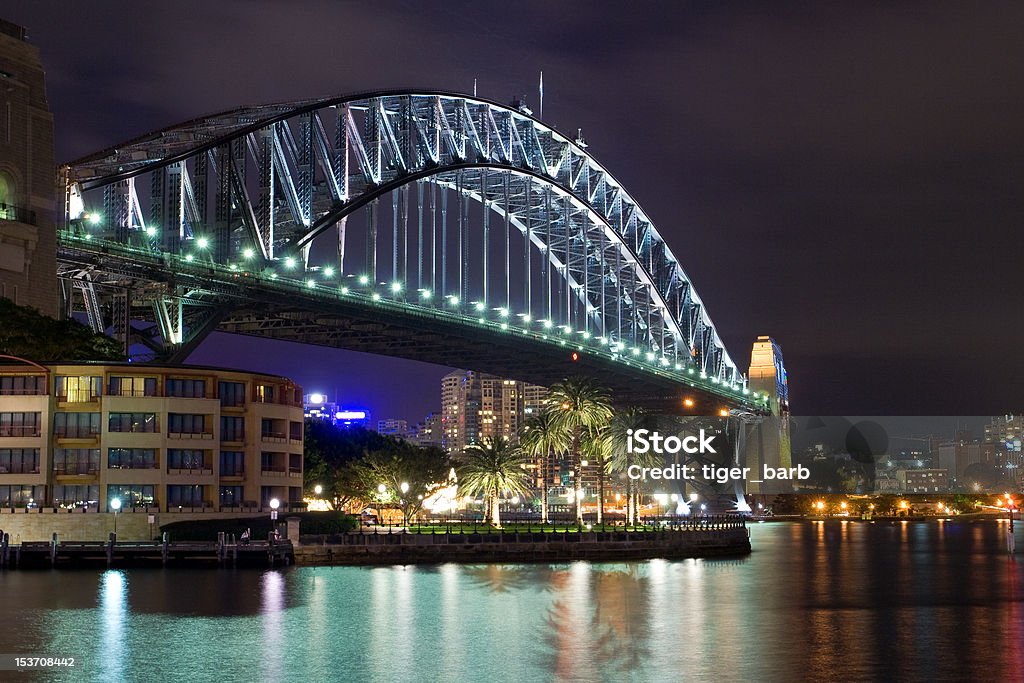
[636,352]
[202,243]
[547,324]
[503,312]
[678,366]
[454,300]
[479,305]
[504,326]
[375,296]
[344,290]
[396,287]
[94,219]
[328,272]
[88,236]
[150,231]
[586,335]
[289,262]
[664,361]
[311,283]
[188,257]
[364,280]
[273,276]
[689,371]
[425,294]
[723,412]
[650,355]
[526,317]
[688,402]
[233,266]
[575,356]
[248,253]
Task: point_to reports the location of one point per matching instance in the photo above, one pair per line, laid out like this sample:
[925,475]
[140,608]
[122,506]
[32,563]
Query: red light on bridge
[575,356]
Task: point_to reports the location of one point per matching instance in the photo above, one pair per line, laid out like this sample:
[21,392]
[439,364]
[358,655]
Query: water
[837,601]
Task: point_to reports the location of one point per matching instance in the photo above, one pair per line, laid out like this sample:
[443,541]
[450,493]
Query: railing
[79,397]
[137,393]
[20,430]
[189,435]
[273,473]
[512,524]
[76,432]
[76,469]
[41,391]
[19,470]
[10,212]
[277,437]
[202,469]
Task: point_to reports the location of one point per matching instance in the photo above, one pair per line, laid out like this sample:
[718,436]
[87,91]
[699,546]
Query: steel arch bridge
[424,224]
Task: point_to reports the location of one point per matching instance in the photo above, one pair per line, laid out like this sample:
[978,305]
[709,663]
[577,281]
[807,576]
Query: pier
[114,553]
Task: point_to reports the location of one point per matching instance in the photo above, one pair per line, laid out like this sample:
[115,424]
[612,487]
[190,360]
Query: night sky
[843,176]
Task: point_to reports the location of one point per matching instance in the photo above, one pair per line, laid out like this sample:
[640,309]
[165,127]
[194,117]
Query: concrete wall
[39,525]
[370,549]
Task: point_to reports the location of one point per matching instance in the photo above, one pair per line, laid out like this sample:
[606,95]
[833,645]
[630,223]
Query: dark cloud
[843,176]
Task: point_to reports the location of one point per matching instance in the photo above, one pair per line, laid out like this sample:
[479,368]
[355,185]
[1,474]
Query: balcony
[189,435]
[4,469]
[19,430]
[274,437]
[295,474]
[79,397]
[190,471]
[273,473]
[76,432]
[78,470]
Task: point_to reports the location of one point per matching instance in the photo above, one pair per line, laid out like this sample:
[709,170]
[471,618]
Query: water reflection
[830,600]
[113,601]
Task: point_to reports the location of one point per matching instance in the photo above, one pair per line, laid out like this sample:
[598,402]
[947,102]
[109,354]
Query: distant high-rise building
[28,187]
[393,427]
[1003,436]
[428,432]
[477,407]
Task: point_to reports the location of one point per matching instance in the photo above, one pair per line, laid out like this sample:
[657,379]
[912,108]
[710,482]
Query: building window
[19,424]
[232,429]
[132,495]
[230,496]
[232,463]
[232,394]
[186,388]
[132,422]
[77,389]
[76,460]
[131,458]
[185,423]
[75,496]
[265,393]
[185,496]
[295,431]
[21,495]
[184,459]
[19,461]
[76,425]
[295,463]
[22,385]
[131,386]
[272,462]
[272,430]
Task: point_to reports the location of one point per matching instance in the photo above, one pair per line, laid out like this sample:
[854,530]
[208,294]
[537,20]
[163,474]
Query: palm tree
[540,438]
[596,450]
[620,458]
[578,405]
[494,468]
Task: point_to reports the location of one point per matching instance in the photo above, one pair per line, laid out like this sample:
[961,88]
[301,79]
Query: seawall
[402,548]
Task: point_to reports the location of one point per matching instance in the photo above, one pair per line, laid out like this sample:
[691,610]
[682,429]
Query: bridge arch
[273,179]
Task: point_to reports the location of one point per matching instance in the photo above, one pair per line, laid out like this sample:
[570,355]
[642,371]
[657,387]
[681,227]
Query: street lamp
[115,505]
[274,504]
[318,489]
[404,487]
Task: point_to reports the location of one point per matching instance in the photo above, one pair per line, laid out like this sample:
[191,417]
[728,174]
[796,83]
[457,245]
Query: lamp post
[318,489]
[115,505]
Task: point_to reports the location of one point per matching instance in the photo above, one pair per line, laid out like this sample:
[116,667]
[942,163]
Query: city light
[425,294]
[396,287]
[151,231]
[202,243]
[724,412]
[189,258]
[311,283]
[688,402]
[328,272]
[364,280]
[289,262]
[248,253]
[317,399]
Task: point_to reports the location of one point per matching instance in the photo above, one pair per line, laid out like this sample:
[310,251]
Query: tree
[401,476]
[578,405]
[27,333]
[620,458]
[330,453]
[540,439]
[492,469]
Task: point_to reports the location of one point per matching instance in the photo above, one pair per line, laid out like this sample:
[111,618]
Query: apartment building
[162,438]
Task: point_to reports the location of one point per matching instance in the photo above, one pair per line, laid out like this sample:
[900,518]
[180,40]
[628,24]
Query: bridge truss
[354,221]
